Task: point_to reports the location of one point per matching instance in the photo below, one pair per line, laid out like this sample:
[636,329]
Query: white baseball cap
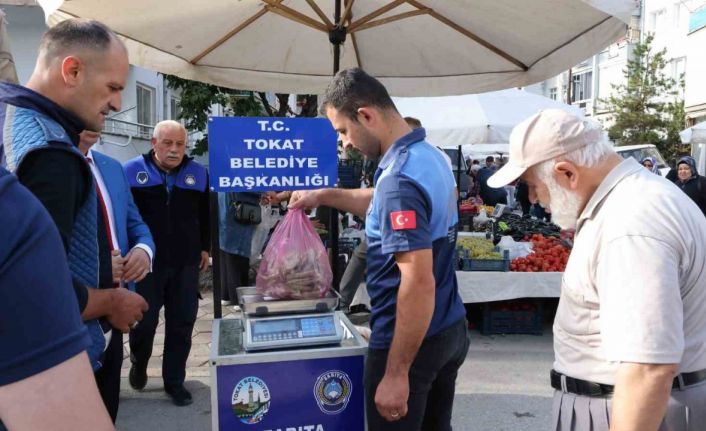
[544,136]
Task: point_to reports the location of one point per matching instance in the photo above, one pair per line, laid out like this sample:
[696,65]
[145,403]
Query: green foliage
[648,108]
[197,99]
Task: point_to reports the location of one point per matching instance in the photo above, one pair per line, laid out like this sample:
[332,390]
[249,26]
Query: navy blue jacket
[178,220]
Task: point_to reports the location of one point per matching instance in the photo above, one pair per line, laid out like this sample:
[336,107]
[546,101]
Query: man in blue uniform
[419,336]
[171,192]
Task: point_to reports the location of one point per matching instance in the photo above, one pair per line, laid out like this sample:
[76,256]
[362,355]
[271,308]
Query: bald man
[80,73]
[171,192]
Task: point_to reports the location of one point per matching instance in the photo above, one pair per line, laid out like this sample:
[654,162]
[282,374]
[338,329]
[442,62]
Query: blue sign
[306,395]
[268,154]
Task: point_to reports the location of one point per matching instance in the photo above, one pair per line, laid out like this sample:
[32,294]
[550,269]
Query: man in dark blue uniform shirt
[45,377]
[171,192]
[419,336]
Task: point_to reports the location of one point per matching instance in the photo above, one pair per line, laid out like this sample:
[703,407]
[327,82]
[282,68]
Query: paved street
[501,387]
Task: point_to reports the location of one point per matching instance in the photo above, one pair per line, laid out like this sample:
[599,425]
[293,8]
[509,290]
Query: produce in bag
[295,263]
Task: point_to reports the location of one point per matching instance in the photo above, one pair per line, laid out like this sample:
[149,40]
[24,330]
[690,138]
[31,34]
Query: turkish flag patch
[402,220]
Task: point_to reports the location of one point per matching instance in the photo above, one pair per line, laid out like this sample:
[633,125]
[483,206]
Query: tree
[648,108]
[197,98]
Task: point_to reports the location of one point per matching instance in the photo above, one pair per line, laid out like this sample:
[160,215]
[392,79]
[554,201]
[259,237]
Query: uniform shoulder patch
[403,220]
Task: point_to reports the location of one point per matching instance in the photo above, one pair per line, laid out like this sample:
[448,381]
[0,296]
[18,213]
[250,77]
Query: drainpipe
[594,84]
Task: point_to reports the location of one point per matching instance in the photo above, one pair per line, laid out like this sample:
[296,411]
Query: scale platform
[254,304]
[285,324]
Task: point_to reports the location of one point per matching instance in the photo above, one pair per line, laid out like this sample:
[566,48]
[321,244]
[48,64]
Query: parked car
[639,152]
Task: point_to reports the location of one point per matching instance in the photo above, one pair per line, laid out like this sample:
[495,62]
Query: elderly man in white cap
[630,330]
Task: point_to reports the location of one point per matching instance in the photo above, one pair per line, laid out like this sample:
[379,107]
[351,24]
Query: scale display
[286,331]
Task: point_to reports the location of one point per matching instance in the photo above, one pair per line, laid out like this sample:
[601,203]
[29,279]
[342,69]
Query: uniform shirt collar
[626,168]
[415,135]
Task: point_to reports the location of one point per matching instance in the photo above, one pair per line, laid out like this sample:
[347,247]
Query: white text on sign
[274,162]
[272,126]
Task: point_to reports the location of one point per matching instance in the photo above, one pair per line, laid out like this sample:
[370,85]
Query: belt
[571,385]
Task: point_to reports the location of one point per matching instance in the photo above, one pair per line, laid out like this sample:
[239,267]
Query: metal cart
[287,366]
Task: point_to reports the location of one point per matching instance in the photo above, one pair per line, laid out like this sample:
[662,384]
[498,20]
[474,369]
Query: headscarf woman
[689,180]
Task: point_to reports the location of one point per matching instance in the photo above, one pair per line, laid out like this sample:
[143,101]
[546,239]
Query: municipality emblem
[190,180]
[142,177]
[333,391]
[251,400]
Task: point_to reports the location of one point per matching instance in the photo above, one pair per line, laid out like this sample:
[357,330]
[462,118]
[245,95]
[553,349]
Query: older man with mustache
[630,331]
[171,191]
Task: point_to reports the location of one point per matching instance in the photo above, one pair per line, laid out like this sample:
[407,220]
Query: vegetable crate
[512,317]
[350,173]
[499,265]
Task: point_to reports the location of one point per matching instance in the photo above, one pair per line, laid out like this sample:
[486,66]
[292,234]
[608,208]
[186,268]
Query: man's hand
[126,309]
[203,266]
[118,264]
[137,265]
[392,395]
[304,199]
[274,198]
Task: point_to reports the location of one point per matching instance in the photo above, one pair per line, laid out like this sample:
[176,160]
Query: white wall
[25,26]
[696,70]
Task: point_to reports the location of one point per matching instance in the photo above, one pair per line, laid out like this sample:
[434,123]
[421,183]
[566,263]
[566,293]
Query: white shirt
[109,207]
[634,289]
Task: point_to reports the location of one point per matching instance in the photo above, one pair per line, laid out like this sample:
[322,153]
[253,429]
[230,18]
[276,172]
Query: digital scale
[277,332]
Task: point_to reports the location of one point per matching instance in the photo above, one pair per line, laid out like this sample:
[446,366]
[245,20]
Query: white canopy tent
[480,123]
[695,134]
[415,47]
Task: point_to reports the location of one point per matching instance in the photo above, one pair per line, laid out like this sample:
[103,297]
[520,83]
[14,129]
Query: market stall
[477,287]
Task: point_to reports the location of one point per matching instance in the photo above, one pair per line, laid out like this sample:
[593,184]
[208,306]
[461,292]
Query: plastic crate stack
[513,317]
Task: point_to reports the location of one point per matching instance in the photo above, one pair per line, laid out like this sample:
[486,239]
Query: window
[145,105]
[678,68]
[553,93]
[676,15]
[657,20]
[174,109]
[581,86]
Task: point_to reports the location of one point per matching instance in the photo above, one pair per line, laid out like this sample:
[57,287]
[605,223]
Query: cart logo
[142,177]
[190,180]
[251,400]
[333,391]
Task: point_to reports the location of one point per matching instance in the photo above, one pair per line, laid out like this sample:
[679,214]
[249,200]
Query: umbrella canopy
[415,47]
[695,134]
[481,120]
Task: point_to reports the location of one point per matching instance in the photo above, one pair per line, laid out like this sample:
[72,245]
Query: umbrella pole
[458,174]
[216,256]
[334,37]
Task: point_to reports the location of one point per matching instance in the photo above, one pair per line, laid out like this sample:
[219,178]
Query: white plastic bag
[514,248]
[481,219]
[270,216]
